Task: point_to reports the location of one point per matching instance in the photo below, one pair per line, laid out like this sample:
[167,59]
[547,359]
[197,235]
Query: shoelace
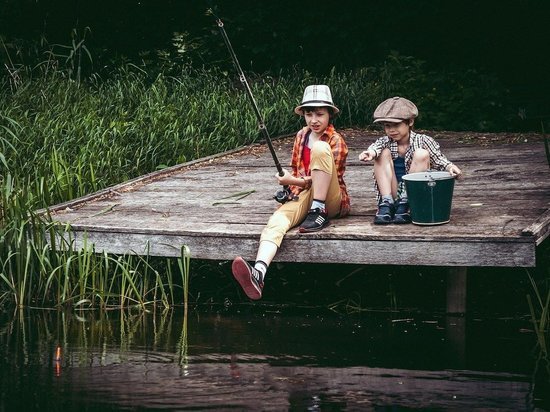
[257,275]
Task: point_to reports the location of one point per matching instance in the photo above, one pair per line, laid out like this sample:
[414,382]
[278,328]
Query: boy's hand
[285,179]
[454,171]
[367,155]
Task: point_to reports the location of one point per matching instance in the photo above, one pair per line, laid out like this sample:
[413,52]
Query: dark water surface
[245,360]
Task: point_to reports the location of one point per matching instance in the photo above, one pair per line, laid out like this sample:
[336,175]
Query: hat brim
[389,119]
[299,109]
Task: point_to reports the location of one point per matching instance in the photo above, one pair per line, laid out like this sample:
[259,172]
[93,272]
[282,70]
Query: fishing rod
[284,194]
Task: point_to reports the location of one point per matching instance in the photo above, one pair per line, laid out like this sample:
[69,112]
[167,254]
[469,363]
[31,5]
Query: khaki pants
[293,212]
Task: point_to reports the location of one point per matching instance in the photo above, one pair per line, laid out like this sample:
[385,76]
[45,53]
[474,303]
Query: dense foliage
[456,47]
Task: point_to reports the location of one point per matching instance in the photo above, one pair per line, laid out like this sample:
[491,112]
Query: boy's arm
[288,179]
[380,144]
[438,160]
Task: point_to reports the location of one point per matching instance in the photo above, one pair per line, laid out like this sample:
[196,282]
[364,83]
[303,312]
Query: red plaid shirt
[340,154]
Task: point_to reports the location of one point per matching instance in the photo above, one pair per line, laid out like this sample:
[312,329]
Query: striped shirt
[340,154]
[438,161]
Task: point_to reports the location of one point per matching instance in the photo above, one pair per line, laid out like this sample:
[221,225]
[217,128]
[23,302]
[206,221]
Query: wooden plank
[309,249]
[348,228]
[540,229]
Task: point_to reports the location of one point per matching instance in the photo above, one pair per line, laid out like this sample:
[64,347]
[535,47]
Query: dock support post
[456,289]
[455,327]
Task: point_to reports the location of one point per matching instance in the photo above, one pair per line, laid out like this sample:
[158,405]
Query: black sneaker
[384,214]
[315,220]
[250,278]
[402,213]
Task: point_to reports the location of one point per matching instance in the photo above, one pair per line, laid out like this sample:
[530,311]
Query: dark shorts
[399,168]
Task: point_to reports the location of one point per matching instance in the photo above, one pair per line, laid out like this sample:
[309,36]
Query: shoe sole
[383,222]
[241,273]
[402,218]
[304,230]
[400,221]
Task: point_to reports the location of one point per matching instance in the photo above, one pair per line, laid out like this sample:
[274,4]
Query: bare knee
[420,161]
[384,156]
[421,156]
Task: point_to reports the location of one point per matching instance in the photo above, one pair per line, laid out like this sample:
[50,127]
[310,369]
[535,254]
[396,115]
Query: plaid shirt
[340,154]
[438,161]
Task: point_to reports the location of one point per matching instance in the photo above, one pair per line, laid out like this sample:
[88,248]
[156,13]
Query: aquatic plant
[540,311]
[40,272]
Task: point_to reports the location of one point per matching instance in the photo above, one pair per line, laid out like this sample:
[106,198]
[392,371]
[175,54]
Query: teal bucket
[430,196]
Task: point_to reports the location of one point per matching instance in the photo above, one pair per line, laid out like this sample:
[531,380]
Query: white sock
[261,267]
[317,204]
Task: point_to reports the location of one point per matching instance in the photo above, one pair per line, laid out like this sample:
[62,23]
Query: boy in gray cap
[400,152]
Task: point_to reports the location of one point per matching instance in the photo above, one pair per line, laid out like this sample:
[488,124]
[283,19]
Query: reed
[539,308]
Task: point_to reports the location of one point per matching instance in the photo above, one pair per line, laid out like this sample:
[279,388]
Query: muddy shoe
[402,213]
[316,219]
[384,214]
[248,277]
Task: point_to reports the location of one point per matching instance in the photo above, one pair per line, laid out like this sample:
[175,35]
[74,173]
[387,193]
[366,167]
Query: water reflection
[265,361]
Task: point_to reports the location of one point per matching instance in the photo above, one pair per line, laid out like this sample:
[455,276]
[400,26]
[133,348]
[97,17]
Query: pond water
[261,358]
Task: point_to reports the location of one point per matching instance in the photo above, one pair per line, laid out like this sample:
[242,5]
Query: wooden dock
[500,212]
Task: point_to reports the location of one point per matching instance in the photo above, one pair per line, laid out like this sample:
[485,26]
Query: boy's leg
[384,174]
[250,278]
[325,187]
[290,214]
[264,256]
[420,163]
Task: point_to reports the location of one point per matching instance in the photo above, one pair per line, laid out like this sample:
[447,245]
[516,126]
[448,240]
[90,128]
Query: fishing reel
[283,195]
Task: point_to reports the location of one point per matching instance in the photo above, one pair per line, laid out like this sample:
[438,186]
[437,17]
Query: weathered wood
[455,332]
[456,289]
[298,248]
[540,229]
[499,214]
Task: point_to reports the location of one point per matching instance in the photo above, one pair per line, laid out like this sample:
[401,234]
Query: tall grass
[539,301]
[37,273]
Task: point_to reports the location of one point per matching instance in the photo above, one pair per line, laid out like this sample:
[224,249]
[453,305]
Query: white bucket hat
[317,95]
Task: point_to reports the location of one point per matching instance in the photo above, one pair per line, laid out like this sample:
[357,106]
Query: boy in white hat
[318,190]
[400,152]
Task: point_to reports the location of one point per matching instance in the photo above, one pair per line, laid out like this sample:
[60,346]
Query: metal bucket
[430,196]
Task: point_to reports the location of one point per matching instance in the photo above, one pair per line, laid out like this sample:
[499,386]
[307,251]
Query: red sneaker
[248,277]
